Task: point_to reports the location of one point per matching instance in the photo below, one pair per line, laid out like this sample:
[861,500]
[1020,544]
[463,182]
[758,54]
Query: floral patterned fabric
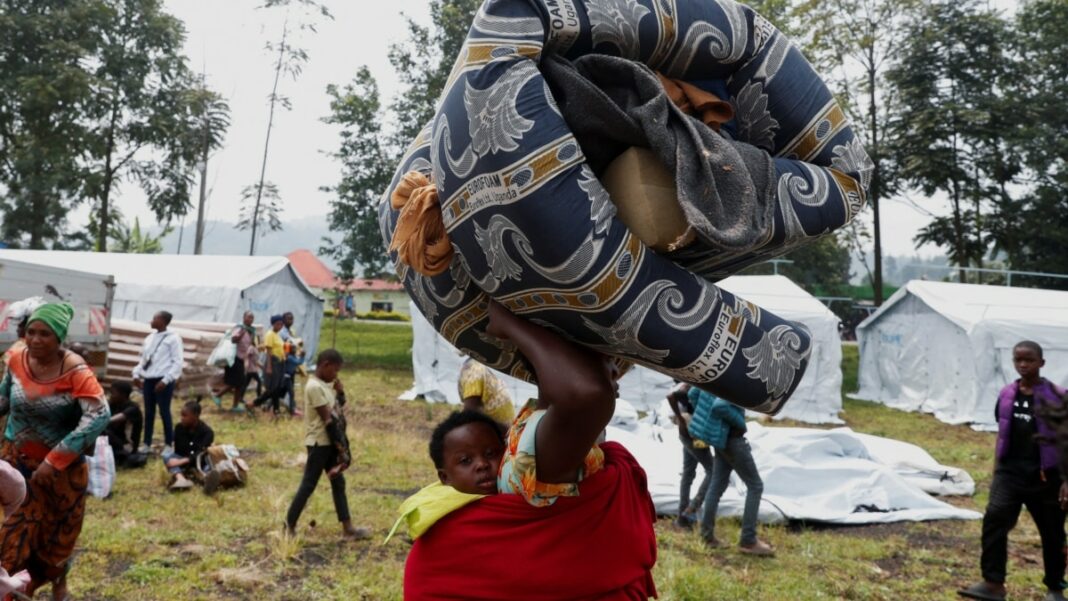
[477,381]
[518,472]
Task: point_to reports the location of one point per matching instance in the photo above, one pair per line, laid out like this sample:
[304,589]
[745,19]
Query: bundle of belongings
[595,166]
[222,466]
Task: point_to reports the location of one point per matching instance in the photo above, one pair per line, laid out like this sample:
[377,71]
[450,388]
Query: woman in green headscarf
[56,410]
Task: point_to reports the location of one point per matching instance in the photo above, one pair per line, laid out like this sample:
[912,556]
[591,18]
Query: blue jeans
[174,470]
[690,458]
[162,400]
[737,456]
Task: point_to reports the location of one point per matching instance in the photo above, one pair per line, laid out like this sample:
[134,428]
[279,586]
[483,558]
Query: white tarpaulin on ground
[830,476]
[203,288]
[818,398]
[946,348]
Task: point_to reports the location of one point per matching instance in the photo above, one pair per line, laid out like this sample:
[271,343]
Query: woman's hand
[44,474]
[178,462]
[1063,496]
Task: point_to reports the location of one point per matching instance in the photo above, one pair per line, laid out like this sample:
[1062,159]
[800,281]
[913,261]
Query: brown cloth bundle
[692,100]
[419,238]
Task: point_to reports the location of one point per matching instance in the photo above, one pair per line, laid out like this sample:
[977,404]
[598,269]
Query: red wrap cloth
[597,546]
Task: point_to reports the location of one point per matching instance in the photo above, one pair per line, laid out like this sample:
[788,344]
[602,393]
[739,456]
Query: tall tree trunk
[37,202]
[877,283]
[109,178]
[198,243]
[958,233]
[267,142]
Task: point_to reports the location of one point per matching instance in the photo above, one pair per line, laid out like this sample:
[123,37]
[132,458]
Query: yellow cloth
[478,381]
[276,347]
[423,509]
[317,394]
[419,237]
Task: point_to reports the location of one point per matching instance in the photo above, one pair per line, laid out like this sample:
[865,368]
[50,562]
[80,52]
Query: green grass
[147,544]
[370,345]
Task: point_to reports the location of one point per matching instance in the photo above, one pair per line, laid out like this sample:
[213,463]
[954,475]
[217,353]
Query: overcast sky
[226,39]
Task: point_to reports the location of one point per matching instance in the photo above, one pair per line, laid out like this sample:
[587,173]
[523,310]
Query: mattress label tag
[564,25]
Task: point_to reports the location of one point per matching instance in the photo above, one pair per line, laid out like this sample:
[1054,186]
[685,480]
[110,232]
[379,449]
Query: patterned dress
[518,471]
[476,380]
[55,420]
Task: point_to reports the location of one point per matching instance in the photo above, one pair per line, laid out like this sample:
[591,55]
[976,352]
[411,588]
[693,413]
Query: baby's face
[472,457]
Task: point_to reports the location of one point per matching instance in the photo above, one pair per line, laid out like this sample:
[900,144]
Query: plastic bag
[101,469]
[224,354]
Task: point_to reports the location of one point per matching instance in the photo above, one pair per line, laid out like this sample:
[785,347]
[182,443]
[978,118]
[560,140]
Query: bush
[384,316]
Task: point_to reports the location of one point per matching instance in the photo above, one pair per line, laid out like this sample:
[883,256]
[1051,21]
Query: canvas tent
[89,291]
[202,288]
[436,364]
[831,476]
[946,348]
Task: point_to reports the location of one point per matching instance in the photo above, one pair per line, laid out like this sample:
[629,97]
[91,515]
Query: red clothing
[598,546]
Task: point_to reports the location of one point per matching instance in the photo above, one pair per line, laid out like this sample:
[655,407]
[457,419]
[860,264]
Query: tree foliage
[301,17]
[368,152]
[1032,229]
[140,79]
[45,92]
[268,216]
[950,135]
[92,93]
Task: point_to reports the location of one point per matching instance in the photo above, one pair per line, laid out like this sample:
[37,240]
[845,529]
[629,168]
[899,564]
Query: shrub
[384,316]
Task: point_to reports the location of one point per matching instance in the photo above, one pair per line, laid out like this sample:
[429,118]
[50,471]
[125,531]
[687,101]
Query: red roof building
[314,272]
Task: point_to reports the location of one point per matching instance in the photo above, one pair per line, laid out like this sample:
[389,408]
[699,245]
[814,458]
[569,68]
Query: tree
[949,136]
[140,79]
[267,217]
[44,95]
[367,168]
[1033,230]
[368,153]
[131,239]
[865,35]
[291,60]
[209,117]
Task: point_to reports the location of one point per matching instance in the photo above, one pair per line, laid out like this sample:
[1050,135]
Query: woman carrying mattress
[577,513]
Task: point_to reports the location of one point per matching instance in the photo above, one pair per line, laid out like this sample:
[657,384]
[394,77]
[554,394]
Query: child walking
[722,426]
[327,443]
[1026,473]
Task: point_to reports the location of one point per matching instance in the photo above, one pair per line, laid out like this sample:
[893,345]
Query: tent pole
[333,342]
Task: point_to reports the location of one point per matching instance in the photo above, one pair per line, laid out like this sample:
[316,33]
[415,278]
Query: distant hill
[220,238]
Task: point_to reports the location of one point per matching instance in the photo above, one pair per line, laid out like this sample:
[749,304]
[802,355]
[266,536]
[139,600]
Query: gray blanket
[725,188]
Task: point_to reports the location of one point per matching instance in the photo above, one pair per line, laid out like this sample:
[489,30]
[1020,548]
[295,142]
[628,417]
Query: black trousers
[1010,492]
[320,459]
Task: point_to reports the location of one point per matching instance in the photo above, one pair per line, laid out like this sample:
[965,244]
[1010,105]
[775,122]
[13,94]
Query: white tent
[436,364]
[946,348]
[831,476]
[203,288]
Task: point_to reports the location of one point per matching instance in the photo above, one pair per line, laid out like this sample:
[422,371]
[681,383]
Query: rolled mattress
[532,227]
